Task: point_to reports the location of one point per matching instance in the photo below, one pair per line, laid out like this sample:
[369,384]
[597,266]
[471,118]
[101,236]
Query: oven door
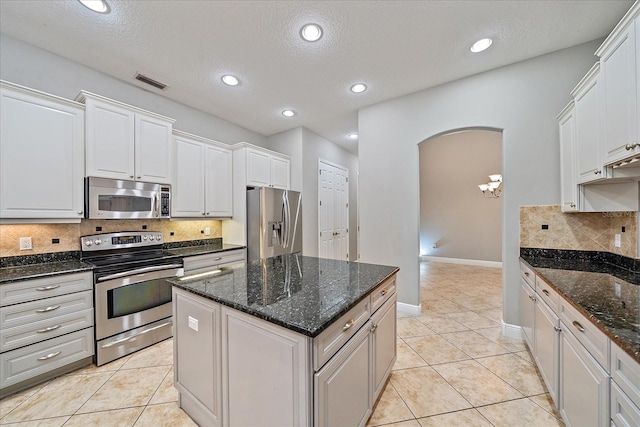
[130,299]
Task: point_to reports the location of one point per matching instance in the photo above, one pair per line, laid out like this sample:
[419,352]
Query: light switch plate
[193,323]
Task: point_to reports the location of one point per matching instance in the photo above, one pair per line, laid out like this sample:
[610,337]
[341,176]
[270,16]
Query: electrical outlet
[616,240]
[193,323]
[207,231]
[25,243]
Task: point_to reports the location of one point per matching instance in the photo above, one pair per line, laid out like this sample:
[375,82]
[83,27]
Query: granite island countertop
[303,294]
[607,295]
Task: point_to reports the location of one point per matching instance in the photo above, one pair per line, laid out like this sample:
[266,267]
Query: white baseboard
[511,331]
[477,262]
[412,310]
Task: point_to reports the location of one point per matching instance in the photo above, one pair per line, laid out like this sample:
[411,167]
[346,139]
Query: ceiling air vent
[149,81]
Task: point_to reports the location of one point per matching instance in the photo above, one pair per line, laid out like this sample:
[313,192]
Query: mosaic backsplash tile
[578,231]
[69,235]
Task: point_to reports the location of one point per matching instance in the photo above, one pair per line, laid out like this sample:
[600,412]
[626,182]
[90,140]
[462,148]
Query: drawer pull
[45,310]
[348,324]
[532,298]
[555,328]
[384,292]
[546,292]
[218,258]
[578,326]
[526,273]
[49,329]
[49,356]
[373,328]
[47,288]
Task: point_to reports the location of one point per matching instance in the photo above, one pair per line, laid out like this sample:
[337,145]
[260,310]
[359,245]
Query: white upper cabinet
[620,70]
[203,178]
[267,169]
[124,142]
[589,158]
[41,155]
[569,187]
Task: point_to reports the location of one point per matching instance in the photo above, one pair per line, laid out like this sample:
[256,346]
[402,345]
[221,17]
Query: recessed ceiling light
[99,6]
[230,80]
[481,45]
[311,32]
[353,135]
[288,113]
[358,88]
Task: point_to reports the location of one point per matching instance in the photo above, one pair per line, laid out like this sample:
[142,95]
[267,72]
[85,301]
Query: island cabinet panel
[383,343]
[197,356]
[266,369]
[342,387]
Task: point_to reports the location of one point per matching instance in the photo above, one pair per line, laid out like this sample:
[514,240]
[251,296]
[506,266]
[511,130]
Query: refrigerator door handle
[287,217]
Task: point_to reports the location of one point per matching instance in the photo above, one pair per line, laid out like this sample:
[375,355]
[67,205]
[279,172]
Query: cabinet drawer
[626,373]
[37,359]
[528,274]
[623,410]
[32,333]
[29,290]
[382,293]
[193,264]
[331,339]
[593,339]
[35,311]
[547,293]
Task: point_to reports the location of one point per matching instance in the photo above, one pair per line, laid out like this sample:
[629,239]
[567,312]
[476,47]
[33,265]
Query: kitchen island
[289,340]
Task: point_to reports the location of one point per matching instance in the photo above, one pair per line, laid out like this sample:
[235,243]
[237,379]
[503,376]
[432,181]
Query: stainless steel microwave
[118,199]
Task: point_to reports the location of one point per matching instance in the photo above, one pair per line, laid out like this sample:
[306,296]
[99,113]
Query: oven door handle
[139,271]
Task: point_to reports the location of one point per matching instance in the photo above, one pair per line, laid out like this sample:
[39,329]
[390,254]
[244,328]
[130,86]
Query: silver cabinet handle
[49,356]
[546,292]
[79,212]
[49,329]
[555,328]
[348,324]
[384,292]
[578,326]
[139,271]
[532,298]
[526,273]
[45,310]
[628,147]
[218,258]
[47,288]
[597,171]
[373,328]
[132,337]
[573,205]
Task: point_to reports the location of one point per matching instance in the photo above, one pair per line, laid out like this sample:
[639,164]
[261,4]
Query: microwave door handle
[156,204]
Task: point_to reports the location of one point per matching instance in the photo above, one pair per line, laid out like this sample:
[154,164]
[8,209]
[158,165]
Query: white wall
[522,99]
[454,214]
[305,148]
[39,69]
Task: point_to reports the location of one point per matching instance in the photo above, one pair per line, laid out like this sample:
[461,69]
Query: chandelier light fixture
[493,188]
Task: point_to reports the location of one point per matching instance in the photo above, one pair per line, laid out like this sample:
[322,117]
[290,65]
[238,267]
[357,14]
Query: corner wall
[523,99]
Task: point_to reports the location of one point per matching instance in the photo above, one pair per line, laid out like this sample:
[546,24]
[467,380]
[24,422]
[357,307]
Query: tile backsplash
[578,231]
[69,235]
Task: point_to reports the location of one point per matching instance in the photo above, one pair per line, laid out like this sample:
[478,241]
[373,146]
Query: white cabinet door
[197,354]
[188,187]
[218,182]
[587,115]
[41,156]
[153,156]
[619,102]
[110,140]
[339,386]
[584,385]
[258,168]
[383,343]
[568,185]
[527,313]
[280,173]
[547,327]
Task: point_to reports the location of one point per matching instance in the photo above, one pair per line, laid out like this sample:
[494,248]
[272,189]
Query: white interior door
[333,211]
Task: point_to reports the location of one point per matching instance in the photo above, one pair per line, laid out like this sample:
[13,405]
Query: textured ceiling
[395,47]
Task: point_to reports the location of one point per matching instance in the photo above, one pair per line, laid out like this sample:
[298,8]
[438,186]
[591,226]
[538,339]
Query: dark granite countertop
[202,249]
[604,293]
[35,271]
[304,294]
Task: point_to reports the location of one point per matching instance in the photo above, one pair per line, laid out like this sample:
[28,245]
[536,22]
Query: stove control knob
[97,241]
[151,237]
[88,243]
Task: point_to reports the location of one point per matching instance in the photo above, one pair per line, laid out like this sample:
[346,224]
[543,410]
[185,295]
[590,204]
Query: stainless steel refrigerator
[274,222]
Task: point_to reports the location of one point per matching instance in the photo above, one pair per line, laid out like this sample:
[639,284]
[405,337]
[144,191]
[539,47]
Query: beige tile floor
[454,369]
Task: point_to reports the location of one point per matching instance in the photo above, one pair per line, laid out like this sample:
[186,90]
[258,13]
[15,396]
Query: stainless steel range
[131,295]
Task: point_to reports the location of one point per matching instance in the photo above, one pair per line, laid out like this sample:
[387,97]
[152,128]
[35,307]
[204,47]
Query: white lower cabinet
[584,385]
[527,313]
[383,342]
[343,386]
[547,346]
